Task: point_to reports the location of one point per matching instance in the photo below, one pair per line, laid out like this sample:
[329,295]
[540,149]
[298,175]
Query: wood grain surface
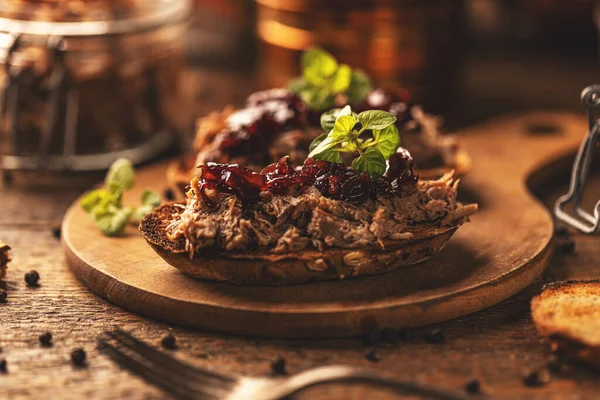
[496,345]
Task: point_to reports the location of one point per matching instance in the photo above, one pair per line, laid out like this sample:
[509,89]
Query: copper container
[408,43]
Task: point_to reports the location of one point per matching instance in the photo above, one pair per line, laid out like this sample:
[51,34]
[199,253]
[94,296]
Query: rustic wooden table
[497,345]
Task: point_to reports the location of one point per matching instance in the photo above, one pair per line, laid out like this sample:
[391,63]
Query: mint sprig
[323,79]
[104,205]
[348,132]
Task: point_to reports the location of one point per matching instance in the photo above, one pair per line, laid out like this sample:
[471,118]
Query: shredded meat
[309,220]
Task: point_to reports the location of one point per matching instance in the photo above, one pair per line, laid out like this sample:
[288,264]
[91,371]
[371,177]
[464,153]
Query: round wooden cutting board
[500,252]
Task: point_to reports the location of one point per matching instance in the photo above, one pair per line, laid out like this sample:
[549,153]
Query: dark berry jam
[396,103]
[252,129]
[333,180]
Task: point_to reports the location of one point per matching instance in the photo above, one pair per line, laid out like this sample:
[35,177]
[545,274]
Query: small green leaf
[316,142]
[342,129]
[151,198]
[325,144]
[140,213]
[387,140]
[328,118]
[331,155]
[120,176]
[94,198]
[341,80]
[376,119]
[371,161]
[298,85]
[318,65]
[360,85]
[113,223]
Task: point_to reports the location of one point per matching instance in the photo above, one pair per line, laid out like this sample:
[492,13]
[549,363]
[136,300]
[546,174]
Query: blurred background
[138,73]
[464,59]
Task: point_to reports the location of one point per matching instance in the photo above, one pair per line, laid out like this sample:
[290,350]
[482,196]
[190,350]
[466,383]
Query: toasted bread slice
[568,313]
[264,268]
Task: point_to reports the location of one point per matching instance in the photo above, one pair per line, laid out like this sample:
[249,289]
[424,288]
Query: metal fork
[185,381]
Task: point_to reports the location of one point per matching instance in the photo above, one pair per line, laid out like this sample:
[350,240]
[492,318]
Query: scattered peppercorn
[45,339]
[7,177]
[3,296]
[371,355]
[473,386]
[78,357]
[56,232]
[169,195]
[555,364]
[372,337]
[536,378]
[3,366]
[278,366]
[32,278]
[389,335]
[406,334]
[567,247]
[435,335]
[169,342]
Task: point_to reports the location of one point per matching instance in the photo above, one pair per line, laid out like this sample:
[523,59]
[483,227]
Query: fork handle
[328,374]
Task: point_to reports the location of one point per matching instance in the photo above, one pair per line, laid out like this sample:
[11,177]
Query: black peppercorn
[7,177]
[56,232]
[32,278]
[435,335]
[278,366]
[473,386]
[535,378]
[567,247]
[169,342]
[3,296]
[371,355]
[389,335]
[561,231]
[406,334]
[45,339]
[3,366]
[169,195]
[78,357]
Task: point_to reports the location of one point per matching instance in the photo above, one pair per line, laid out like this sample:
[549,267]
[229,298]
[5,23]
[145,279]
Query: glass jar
[83,83]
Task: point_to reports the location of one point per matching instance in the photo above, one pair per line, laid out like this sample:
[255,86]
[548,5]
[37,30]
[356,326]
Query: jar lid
[76,18]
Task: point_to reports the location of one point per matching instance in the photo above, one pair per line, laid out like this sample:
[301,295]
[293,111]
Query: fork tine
[161,358]
[195,379]
[147,373]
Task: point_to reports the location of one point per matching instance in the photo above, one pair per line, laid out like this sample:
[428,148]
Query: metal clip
[583,221]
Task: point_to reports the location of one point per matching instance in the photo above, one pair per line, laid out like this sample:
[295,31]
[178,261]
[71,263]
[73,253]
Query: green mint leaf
[387,140]
[328,118]
[342,129]
[372,162]
[113,223]
[360,85]
[341,80]
[317,98]
[331,155]
[151,198]
[318,65]
[316,142]
[376,119]
[120,176]
[298,85]
[96,197]
[140,213]
[326,144]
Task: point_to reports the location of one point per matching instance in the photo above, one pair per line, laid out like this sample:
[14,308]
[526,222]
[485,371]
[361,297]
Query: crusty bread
[264,268]
[568,313]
